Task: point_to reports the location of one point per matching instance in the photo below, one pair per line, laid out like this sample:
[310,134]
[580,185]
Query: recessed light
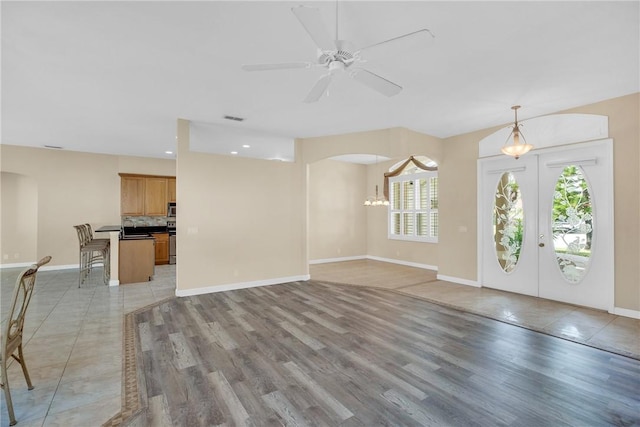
[168,152]
[234,152]
[246,146]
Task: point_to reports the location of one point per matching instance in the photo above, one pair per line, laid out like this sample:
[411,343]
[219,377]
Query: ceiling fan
[341,56]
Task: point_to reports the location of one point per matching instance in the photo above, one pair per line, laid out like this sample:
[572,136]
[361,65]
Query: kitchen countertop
[107,229]
[137,233]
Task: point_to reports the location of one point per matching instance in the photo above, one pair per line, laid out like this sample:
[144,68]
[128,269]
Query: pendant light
[513,146]
[376,201]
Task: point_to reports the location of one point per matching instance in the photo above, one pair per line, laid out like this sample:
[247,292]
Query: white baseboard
[634,314]
[327,260]
[113,282]
[43,268]
[16,265]
[58,267]
[400,262]
[459,281]
[236,286]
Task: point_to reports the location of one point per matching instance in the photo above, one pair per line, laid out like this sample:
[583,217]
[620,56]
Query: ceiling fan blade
[283,66]
[311,20]
[318,89]
[375,82]
[410,41]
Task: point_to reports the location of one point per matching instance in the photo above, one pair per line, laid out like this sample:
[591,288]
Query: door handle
[541,245]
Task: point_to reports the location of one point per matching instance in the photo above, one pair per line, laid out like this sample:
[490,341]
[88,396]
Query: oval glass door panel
[572,223]
[508,222]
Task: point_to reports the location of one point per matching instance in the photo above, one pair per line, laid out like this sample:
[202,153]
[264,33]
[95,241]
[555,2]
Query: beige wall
[245,220]
[624,128]
[458,182]
[70,188]
[241,220]
[19,223]
[337,226]
[397,144]
[378,243]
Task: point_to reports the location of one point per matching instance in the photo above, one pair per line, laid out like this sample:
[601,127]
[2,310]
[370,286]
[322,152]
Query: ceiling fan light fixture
[336,66]
[513,146]
[337,55]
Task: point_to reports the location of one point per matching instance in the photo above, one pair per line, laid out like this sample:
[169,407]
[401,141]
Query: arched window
[413,200]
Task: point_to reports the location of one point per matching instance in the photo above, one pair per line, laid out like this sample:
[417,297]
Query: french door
[546,224]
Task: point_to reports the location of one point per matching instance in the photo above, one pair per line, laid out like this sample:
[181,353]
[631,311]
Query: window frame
[426,212]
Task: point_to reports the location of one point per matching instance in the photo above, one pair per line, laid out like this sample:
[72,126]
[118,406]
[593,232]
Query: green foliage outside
[572,206]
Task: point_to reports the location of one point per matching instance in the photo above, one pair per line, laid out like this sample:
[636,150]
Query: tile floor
[74,336]
[73,346]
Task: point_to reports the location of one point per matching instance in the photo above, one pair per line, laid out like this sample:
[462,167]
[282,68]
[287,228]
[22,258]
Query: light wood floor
[315,353]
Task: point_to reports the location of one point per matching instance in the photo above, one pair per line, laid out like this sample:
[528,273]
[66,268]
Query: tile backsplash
[144,221]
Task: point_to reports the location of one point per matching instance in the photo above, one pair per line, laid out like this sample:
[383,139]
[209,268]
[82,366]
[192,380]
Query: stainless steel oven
[171,228]
[171,209]
[172,248]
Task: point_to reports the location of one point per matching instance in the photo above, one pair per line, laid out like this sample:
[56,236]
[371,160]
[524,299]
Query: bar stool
[100,242]
[91,252]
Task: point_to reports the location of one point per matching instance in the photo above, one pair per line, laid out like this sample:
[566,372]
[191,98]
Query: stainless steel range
[171,228]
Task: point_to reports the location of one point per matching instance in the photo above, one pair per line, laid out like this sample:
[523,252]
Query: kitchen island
[137,258]
[132,253]
[114,237]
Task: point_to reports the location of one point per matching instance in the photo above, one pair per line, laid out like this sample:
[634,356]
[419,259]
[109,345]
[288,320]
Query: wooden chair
[92,251]
[12,332]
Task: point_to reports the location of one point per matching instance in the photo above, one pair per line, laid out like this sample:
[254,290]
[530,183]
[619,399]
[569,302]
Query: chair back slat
[19,303]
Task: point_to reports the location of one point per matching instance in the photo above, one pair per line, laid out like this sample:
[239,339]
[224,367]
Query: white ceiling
[112,77]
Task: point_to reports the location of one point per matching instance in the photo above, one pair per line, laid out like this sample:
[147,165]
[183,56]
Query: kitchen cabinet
[136,261]
[132,195]
[162,248]
[146,194]
[171,189]
[155,196]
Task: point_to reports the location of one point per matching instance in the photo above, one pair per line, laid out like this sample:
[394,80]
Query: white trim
[113,282]
[503,170]
[407,263]
[412,238]
[241,285]
[16,265]
[391,211]
[59,267]
[346,258]
[43,268]
[459,281]
[634,314]
[479,223]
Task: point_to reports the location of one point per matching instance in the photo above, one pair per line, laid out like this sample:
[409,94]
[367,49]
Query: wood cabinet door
[162,248]
[135,262]
[171,188]
[132,195]
[155,196]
